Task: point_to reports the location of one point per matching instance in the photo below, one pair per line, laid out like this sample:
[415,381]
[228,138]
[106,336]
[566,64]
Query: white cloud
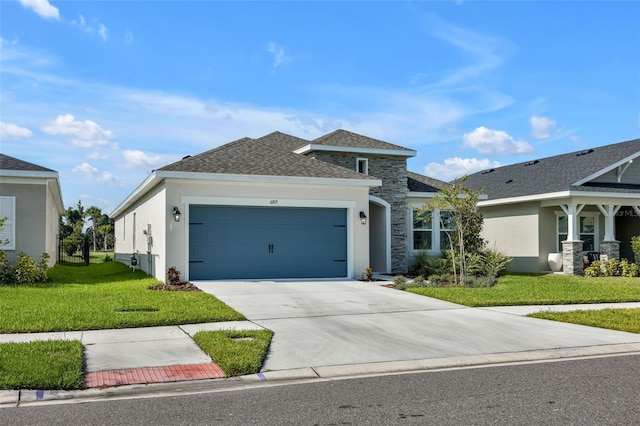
[489,141]
[98,156]
[97,27]
[279,57]
[13,131]
[457,167]
[84,134]
[542,127]
[136,158]
[42,8]
[93,174]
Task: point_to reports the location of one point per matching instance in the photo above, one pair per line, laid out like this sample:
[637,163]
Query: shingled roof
[420,183]
[11,163]
[556,174]
[344,138]
[270,155]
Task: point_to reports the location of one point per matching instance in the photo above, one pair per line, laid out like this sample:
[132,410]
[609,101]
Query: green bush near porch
[102,296]
[548,289]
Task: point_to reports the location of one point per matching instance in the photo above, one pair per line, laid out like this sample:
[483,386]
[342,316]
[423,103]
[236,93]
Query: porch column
[637,209]
[611,249]
[572,262]
[609,211]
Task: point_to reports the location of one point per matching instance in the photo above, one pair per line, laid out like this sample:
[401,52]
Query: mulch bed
[175,287]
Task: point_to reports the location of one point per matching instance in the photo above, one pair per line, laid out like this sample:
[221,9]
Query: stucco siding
[52,227]
[182,193]
[30,218]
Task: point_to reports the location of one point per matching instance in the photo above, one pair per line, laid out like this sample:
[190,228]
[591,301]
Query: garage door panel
[255,242]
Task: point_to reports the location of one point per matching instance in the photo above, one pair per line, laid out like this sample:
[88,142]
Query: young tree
[462,219]
[106,231]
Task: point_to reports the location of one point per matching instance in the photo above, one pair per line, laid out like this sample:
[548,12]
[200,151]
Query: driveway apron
[330,323]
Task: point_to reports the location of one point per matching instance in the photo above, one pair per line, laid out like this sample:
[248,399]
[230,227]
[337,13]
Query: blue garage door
[228,242]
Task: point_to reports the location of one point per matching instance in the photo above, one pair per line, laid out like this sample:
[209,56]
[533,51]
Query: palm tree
[94,214]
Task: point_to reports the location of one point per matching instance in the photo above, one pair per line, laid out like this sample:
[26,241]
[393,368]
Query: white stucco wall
[182,193]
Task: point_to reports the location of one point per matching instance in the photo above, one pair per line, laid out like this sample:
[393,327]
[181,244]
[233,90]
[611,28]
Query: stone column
[611,249]
[572,262]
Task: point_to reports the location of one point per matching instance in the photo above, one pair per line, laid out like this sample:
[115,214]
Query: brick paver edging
[136,376]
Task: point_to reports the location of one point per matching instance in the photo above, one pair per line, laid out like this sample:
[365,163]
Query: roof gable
[346,139]
[572,171]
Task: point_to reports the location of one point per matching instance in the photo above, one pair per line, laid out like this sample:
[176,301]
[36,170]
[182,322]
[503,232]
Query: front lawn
[614,319]
[41,365]
[547,289]
[102,296]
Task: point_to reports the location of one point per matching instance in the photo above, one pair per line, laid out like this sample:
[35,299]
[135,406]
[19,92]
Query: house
[575,203]
[280,207]
[31,202]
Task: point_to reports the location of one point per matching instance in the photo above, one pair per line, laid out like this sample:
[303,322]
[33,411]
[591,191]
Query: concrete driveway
[331,323]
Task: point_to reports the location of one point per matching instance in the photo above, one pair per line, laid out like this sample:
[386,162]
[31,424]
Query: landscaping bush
[629,269]
[635,247]
[425,265]
[173,276]
[400,282]
[6,269]
[593,270]
[70,245]
[612,268]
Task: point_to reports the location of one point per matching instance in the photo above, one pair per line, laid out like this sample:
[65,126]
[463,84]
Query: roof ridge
[19,164]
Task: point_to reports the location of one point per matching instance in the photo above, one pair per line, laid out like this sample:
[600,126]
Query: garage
[231,242]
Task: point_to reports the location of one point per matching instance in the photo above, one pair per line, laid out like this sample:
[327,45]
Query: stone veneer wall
[572,260]
[392,170]
[611,249]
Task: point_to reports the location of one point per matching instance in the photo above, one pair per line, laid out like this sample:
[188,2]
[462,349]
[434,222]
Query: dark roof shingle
[344,138]
[420,183]
[11,163]
[553,174]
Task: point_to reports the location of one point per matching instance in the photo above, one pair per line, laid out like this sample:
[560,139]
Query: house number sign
[273,202]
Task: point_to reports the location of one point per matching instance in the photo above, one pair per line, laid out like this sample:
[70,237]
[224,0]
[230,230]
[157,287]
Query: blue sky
[104,92]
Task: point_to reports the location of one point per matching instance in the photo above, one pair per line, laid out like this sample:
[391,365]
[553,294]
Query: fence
[73,250]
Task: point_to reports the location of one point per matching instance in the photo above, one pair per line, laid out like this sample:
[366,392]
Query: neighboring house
[31,200]
[584,201]
[280,207]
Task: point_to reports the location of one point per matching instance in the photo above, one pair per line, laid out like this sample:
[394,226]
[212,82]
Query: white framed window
[362,165]
[588,230]
[429,230]
[8,232]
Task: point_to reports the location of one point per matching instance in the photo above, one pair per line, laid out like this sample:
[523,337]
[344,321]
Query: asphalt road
[602,391]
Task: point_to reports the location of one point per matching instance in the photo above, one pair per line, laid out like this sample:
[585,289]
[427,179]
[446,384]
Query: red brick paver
[137,376]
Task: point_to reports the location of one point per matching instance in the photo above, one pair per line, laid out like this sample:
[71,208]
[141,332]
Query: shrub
[480,282]
[70,245]
[173,276]
[441,280]
[43,267]
[629,269]
[6,269]
[635,246]
[593,270]
[107,258]
[368,274]
[400,282]
[611,268]
[425,265]
[418,281]
[495,263]
[26,270]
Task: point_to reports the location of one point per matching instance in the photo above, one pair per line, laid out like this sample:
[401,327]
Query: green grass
[614,319]
[548,289]
[102,296]
[41,365]
[236,357]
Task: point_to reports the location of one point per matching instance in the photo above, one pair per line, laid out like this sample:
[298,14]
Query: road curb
[304,375]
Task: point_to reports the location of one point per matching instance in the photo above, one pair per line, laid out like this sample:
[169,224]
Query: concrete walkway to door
[336,323]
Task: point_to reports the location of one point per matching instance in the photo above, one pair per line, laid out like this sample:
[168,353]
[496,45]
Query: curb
[14,398]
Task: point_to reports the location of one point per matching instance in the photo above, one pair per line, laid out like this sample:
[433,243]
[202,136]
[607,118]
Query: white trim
[607,169]
[436,249]
[149,182]
[266,202]
[379,151]
[29,174]
[9,230]
[387,227]
[557,195]
[366,165]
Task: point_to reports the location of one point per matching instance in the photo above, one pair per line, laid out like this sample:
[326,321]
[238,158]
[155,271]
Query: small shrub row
[612,268]
[26,270]
[400,282]
[485,263]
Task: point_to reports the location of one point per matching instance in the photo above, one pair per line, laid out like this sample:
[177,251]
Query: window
[587,230]
[362,165]
[8,233]
[422,231]
[429,231]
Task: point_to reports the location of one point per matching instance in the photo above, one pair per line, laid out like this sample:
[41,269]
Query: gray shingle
[11,163]
[420,183]
[344,138]
[270,155]
[553,174]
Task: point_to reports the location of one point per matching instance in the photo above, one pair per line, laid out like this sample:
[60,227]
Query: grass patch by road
[236,352]
[614,319]
[547,289]
[102,296]
[41,365]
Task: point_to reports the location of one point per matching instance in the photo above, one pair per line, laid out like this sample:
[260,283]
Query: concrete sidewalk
[337,328]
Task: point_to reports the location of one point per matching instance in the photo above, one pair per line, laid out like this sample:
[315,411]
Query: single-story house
[566,206]
[31,202]
[280,207]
